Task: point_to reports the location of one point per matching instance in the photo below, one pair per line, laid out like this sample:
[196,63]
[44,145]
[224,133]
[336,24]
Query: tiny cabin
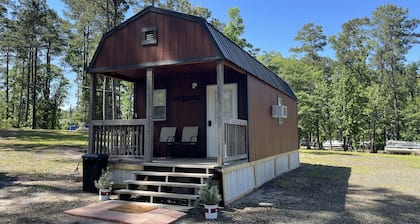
[204,109]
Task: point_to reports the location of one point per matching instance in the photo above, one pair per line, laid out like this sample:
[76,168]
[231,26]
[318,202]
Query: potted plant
[210,197]
[104,185]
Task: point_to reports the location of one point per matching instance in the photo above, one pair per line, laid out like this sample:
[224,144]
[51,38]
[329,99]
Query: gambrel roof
[227,50]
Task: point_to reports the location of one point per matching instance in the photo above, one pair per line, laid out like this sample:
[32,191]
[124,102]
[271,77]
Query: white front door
[230,97]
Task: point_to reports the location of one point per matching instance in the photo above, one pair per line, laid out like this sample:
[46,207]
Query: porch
[124,140]
[211,96]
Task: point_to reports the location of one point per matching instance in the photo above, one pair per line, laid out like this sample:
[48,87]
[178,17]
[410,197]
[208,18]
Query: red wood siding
[181,113]
[266,136]
[178,39]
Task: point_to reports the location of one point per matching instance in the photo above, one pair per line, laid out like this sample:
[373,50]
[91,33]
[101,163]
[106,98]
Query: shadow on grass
[43,212]
[317,184]
[42,147]
[42,134]
[64,196]
[391,206]
[322,194]
[6,180]
[328,152]
[26,185]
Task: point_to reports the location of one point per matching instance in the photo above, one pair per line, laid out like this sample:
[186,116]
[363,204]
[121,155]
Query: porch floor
[184,162]
[192,162]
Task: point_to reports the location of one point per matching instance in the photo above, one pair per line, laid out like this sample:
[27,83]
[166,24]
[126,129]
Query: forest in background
[367,92]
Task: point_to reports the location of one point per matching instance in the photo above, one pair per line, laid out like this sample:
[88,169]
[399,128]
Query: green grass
[411,160]
[40,152]
[329,158]
[41,139]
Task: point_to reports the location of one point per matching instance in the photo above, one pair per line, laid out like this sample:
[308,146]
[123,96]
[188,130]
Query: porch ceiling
[162,71]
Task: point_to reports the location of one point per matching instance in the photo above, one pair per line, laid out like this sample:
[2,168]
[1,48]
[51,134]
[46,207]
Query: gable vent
[148,35]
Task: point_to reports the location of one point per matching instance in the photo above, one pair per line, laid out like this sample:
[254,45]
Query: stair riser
[167,183]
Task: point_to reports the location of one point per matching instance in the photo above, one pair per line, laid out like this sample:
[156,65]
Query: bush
[209,195]
[105,180]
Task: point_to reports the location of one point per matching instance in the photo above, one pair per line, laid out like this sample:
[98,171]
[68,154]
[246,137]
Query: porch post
[92,110]
[148,138]
[220,114]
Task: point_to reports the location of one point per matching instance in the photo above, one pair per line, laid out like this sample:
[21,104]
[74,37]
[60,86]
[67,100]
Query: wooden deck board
[172,174]
[159,194]
[168,184]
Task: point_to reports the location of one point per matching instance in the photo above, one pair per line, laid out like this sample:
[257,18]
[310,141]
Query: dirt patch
[33,195]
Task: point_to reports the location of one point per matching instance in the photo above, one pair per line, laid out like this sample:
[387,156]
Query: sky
[273,24]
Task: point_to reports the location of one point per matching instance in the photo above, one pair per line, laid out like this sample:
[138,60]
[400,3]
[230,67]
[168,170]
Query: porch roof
[227,50]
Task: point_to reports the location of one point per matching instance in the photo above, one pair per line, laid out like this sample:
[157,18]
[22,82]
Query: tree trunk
[330,143]
[20,111]
[34,70]
[28,86]
[395,104]
[84,101]
[318,137]
[48,107]
[108,25]
[7,83]
[372,146]
[345,143]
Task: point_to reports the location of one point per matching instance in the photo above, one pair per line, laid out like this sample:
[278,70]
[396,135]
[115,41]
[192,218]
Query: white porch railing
[236,142]
[118,137]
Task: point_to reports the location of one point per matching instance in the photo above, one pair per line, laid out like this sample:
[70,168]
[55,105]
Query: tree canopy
[366,92]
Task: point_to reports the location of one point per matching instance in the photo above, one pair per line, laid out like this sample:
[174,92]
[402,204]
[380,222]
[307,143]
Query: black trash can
[93,164]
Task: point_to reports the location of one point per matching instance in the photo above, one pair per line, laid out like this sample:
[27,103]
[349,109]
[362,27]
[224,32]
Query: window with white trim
[280,103]
[159,104]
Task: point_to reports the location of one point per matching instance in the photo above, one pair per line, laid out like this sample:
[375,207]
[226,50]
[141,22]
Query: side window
[228,107]
[159,104]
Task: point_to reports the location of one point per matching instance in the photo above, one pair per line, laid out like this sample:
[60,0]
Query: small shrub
[105,180]
[209,195]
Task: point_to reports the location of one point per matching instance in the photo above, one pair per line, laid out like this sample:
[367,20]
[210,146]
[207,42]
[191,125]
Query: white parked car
[393,146]
[335,144]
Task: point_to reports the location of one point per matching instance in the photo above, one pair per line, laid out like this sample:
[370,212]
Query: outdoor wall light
[194,85]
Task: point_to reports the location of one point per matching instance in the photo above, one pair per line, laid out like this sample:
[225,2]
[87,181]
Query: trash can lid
[92,155]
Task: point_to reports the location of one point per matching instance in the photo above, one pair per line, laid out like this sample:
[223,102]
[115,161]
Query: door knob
[209,123]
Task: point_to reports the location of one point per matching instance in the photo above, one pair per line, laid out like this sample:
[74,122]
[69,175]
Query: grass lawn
[336,187]
[39,181]
[41,139]
[329,157]
[38,175]
[40,152]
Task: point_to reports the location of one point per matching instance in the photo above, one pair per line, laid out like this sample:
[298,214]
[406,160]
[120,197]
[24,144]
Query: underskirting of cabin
[122,171]
[241,179]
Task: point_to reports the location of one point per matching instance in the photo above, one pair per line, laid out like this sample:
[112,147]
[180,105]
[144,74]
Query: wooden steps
[159,194]
[165,182]
[201,176]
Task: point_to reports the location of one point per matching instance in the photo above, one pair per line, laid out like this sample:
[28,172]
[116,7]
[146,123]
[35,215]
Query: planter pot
[210,211]
[104,194]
